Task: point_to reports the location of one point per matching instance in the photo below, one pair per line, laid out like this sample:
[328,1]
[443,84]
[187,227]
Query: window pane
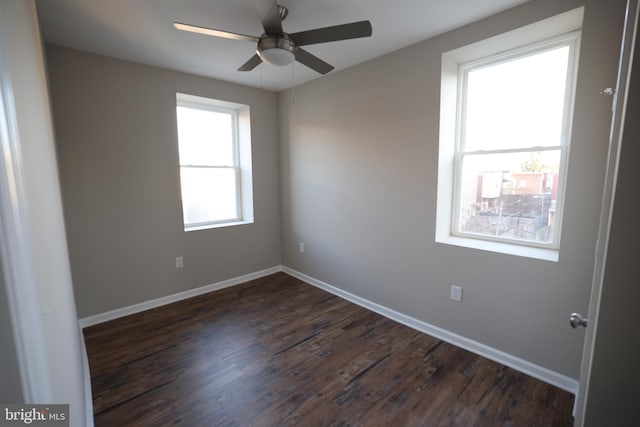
[205,137]
[208,194]
[517,104]
[510,196]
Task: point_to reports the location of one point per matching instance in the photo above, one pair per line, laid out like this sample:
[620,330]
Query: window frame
[241,159]
[570,40]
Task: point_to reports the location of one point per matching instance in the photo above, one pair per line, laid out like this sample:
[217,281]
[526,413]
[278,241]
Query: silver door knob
[576,320]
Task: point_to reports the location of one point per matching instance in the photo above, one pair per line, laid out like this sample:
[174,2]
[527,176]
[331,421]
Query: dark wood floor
[277,352]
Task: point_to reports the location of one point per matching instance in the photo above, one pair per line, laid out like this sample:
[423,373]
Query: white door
[33,252]
[594,346]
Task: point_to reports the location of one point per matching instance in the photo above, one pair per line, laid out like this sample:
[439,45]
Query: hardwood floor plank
[278,352]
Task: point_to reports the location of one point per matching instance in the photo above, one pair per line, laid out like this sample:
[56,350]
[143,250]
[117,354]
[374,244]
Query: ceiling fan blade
[353,30]
[215,33]
[269,16]
[252,63]
[312,61]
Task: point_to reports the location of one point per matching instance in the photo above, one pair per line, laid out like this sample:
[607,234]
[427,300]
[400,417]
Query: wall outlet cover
[456,293]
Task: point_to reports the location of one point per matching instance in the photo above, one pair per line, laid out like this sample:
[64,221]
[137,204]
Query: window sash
[234,132]
[237,205]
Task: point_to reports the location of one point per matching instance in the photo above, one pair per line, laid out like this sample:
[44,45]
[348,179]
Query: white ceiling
[142,31]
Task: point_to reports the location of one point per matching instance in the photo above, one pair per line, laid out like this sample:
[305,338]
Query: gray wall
[11,390]
[359,152]
[116,137]
[613,390]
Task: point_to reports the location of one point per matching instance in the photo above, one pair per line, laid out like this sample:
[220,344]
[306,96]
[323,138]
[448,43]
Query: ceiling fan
[279,48]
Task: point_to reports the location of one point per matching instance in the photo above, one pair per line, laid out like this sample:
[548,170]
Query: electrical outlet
[456,293]
[179,262]
[301,247]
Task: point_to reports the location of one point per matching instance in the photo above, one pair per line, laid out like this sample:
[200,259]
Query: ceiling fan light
[277,56]
[276,50]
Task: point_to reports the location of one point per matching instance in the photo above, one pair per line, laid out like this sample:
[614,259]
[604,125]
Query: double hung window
[211,167]
[514,117]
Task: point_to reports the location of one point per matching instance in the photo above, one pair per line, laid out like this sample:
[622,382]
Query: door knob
[576,320]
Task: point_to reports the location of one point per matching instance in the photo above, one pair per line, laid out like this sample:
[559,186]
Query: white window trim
[533,38]
[242,164]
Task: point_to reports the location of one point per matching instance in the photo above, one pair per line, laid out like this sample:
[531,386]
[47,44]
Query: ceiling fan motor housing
[276,49]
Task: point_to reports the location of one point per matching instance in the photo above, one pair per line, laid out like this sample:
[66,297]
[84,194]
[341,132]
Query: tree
[534,164]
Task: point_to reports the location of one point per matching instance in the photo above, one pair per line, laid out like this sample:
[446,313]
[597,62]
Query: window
[505,132]
[215,162]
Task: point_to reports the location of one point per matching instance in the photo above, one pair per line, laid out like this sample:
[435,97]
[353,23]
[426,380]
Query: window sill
[503,248]
[220,225]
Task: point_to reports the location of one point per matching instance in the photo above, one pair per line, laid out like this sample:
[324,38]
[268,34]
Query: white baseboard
[136,308]
[551,377]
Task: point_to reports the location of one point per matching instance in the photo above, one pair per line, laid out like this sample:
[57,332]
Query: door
[33,252]
[603,349]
